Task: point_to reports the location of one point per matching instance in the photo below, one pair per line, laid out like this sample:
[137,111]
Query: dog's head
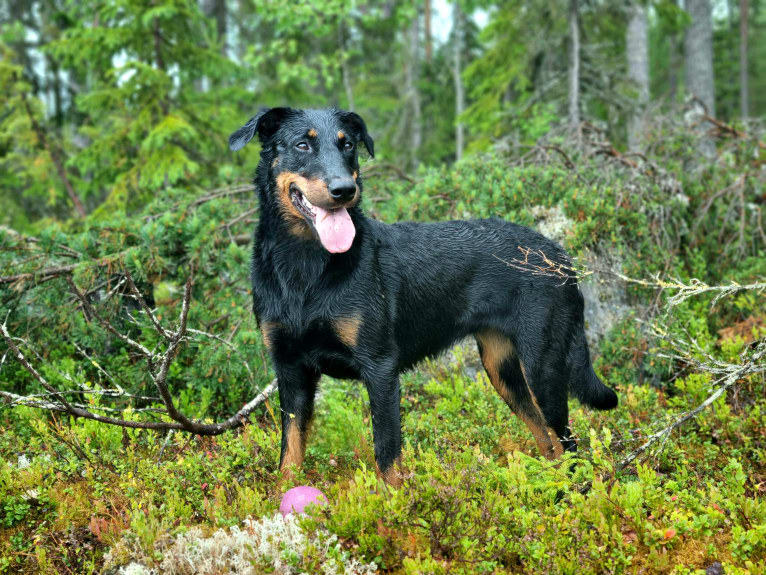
[313,168]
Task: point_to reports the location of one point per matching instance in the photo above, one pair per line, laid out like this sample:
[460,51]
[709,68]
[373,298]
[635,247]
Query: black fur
[415,289]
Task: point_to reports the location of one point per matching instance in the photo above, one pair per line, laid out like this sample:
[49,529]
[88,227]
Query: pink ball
[297,498]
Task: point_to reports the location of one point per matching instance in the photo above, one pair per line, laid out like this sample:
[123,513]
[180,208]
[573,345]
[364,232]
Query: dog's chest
[326,345]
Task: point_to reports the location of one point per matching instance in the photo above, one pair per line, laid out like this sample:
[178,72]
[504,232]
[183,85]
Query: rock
[606,301]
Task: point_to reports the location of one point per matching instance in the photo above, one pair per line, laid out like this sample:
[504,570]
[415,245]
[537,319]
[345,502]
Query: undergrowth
[83,497]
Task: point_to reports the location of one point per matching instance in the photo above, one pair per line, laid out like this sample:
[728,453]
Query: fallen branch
[158,368]
[731,130]
[728,375]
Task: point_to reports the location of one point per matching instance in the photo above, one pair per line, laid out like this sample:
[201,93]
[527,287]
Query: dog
[338,293]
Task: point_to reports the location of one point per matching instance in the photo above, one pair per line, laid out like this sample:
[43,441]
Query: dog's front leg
[297,386]
[386,425]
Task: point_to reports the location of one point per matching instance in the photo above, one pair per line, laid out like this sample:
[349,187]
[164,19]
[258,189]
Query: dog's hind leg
[508,377]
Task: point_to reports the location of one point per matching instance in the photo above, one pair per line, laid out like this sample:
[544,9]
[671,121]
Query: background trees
[105,103]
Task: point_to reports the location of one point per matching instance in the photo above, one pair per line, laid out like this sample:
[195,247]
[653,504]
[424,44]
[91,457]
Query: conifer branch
[53,152]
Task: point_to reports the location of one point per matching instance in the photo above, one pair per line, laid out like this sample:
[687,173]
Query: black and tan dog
[338,293]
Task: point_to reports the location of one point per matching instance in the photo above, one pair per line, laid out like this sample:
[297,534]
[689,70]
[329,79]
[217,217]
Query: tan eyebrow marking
[341,135]
[312,133]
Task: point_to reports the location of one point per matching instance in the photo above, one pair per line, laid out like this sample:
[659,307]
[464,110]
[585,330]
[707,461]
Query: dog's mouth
[334,226]
[300,202]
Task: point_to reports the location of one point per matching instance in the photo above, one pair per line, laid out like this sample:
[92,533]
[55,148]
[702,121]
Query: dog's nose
[342,189]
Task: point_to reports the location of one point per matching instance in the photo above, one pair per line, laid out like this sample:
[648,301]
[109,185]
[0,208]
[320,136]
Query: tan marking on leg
[549,444]
[347,329]
[312,133]
[355,175]
[267,331]
[558,447]
[393,476]
[495,349]
[296,447]
[341,135]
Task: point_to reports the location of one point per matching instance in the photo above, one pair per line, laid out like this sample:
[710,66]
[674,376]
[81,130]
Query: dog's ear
[355,120]
[266,122]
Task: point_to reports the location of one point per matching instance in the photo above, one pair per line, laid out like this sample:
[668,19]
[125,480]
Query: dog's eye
[348,146]
[302,146]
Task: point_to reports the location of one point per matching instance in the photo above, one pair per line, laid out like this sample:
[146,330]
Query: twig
[144,306]
[547,267]
[168,436]
[90,311]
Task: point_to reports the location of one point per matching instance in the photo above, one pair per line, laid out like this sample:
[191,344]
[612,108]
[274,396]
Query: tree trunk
[637,46]
[698,47]
[574,69]
[698,55]
[427,30]
[673,67]
[457,70]
[411,78]
[220,24]
[58,161]
[744,96]
[216,9]
[345,72]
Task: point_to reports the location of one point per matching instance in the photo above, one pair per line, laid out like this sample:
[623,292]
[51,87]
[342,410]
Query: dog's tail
[584,383]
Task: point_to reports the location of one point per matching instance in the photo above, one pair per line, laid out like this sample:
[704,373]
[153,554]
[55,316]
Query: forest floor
[478,497]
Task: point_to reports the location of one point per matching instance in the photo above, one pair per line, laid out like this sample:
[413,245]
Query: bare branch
[159,365]
[729,374]
[688,290]
[142,302]
[90,312]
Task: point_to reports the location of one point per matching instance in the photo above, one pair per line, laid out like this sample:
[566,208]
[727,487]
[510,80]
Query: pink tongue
[336,230]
